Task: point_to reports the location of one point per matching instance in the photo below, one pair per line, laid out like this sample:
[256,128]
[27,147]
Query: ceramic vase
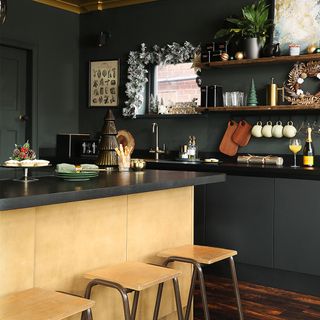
[251,48]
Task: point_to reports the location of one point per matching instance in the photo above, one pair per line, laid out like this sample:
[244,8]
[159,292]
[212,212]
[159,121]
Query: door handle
[23,117]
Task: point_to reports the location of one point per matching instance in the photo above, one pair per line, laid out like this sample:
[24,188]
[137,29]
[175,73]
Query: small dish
[211,160]
[138,164]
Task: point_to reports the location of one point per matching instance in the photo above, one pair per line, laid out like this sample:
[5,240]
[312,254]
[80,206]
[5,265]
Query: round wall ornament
[297,76]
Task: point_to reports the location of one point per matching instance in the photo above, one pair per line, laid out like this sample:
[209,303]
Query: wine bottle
[308,151]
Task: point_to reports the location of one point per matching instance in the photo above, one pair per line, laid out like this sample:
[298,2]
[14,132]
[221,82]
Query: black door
[13,82]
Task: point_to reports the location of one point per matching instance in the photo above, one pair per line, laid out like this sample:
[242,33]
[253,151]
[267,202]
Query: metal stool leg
[203,292]
[135,305]
[89,314]
[158,301]
[123,292]
[236,287]
[191,292]
[198,269]
[178,298]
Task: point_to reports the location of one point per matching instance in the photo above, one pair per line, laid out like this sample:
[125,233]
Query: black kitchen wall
[54,35]
[160,23]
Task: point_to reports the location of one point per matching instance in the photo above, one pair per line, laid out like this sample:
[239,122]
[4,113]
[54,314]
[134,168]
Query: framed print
[104,83]
[296,22]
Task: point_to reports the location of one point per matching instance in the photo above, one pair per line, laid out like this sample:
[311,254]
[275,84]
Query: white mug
[277,130]
[267,130]
[289,130]
[256,130]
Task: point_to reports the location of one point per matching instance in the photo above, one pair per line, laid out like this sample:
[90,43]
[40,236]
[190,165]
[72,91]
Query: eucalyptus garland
[137,72]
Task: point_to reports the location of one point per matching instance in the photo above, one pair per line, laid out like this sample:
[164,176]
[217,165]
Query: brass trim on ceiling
[90,5]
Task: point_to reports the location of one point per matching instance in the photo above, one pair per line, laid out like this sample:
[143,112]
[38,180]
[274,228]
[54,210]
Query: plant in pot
[253,28]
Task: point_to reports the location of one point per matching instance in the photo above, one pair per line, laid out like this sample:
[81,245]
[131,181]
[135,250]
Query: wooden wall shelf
[261,108]
[280,59]
[172,116]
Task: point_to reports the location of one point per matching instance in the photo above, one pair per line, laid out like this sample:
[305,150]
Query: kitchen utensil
[277,130]
[257,130]
[289,130]
[233,99]
[138,164]
[227,146]
[242,134]
[295,146]
[124,157]
[267,130]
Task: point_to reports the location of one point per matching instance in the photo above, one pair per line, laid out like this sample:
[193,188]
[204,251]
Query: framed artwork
[104,83]
[296,22]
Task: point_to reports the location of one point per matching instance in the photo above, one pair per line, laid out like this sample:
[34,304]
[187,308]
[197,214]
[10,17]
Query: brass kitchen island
[53,231]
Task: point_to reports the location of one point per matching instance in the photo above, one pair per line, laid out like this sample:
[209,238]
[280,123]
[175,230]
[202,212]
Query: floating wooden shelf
[168,116]
[280,59]
[260,108]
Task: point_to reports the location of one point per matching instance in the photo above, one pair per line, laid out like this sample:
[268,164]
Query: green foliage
[254,23]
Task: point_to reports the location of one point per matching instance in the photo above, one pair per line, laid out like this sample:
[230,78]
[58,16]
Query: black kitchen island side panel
[239,215]
[297,223]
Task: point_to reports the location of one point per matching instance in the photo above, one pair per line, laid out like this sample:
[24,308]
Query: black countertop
[51,190]
[230,168]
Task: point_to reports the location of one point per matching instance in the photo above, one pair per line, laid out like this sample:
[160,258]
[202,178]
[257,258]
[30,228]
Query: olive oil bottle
[308,151]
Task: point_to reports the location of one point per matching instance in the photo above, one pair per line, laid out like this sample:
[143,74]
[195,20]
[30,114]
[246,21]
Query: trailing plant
[254,23]
[137,71]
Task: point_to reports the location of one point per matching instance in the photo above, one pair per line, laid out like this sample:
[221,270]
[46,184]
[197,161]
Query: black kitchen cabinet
[297,225]
[239,215]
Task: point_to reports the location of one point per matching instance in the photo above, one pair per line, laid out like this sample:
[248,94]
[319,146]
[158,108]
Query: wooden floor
[259,303]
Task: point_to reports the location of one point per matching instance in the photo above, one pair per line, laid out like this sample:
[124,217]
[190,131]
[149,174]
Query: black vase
[271,50]
[3,11]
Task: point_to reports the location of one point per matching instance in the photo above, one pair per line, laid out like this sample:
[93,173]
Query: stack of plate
[77,176]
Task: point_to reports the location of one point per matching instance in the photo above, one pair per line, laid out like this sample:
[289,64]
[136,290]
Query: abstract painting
[296,21]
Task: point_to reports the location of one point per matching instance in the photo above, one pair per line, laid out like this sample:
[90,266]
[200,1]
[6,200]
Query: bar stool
[41,304]
[198,255]
[134,277]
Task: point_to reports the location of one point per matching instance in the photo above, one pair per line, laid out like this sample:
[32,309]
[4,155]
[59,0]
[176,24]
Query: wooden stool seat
[201,254]
[134,275]
[196,256]
[41,304]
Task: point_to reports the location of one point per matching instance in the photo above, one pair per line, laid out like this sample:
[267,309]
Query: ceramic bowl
[138,164]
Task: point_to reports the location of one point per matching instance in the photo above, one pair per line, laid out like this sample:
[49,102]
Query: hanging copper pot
[3,11]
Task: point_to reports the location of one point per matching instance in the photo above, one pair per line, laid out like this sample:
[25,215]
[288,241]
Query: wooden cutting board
[242,134]
[227,145]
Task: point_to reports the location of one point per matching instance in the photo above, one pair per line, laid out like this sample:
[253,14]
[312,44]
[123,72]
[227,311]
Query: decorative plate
[76,176]
[125,138]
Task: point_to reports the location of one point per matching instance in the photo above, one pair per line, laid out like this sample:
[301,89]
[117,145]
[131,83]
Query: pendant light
[103,36]
[3,11]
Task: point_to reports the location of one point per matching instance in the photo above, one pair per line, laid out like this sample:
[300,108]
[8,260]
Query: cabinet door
[297,224]
[239,215]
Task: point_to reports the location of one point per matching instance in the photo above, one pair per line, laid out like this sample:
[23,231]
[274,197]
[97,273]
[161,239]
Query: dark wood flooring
[258,302]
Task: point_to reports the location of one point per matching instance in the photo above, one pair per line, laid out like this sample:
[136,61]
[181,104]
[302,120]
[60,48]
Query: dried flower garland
[297,76]
[137,72]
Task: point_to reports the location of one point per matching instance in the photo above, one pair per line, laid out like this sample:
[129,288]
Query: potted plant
[253,27]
